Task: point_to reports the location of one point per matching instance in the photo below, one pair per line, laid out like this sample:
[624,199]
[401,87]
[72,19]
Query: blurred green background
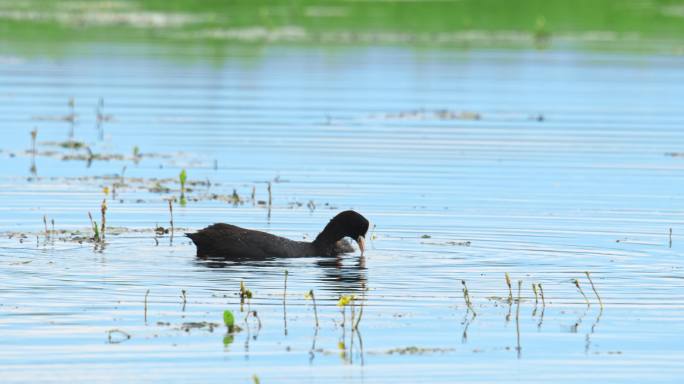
[603,24]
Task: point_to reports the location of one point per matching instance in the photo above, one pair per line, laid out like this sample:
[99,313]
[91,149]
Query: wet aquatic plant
[96,231]
[466,298]
[510,292]
[116,336]
[255,315]
[235,198]
[355,325]
[171,218]
[34,134]
[184,297]
[670,237]
[285,305]
[183,178]
[593,287]
[270,199]
[229,320]
[47,233]
[245,294]
[577,284]
[310,296]
[534,289]
[517,320]
[103,210]
[541,294]
[146,294]
[343,302]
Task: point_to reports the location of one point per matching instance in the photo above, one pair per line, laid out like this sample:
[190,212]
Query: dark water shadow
[340,274]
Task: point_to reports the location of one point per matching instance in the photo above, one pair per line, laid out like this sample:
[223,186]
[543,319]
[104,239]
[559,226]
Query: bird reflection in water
[343,275]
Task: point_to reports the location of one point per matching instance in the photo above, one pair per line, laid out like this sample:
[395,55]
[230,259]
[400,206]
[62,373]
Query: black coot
[229,241]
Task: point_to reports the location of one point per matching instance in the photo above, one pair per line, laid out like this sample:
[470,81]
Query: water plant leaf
[228,318]
[183,178]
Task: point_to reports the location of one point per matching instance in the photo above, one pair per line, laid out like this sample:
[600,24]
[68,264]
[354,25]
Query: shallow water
[547,165]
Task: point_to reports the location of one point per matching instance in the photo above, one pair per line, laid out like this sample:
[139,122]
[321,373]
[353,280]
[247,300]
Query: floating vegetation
[116,336]
[187,327]
[72,144]
[459,243]
[417,351]
[439,114]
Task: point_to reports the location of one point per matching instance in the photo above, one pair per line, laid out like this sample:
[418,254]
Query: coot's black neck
[331,234]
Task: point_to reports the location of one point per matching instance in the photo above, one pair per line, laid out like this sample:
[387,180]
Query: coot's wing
[230,241]
[221,240]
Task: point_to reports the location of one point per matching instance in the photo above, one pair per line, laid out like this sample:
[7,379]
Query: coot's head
[345,224]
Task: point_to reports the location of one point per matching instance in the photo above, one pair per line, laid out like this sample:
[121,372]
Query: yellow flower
[345,300]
